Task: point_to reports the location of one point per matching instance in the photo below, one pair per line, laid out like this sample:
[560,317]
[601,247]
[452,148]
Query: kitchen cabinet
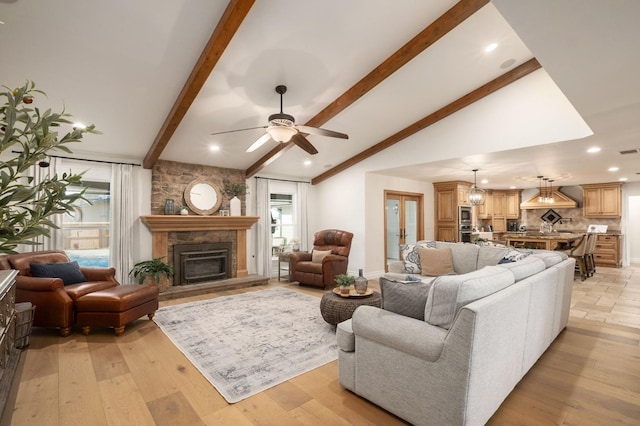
[608,251]
[448,196]
[505,205]
[602,200]
[512,207]
[484,211]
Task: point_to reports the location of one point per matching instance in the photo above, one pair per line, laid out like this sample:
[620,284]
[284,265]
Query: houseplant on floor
[29,134]
[154,272]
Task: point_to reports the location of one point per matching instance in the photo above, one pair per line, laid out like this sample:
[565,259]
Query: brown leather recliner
[53,300]
[317,274]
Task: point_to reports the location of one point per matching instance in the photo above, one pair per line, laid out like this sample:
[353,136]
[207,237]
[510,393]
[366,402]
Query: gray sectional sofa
[448,350]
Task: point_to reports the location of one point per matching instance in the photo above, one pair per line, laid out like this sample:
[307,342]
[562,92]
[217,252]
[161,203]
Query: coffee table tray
[352,292]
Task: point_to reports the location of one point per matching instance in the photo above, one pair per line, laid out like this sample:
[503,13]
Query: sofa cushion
[465,256]
[550,258]
[435,262]
[318,255]
[525,267]
[451,292]
[404,298]
[490,255]
[69,272]
[411,256]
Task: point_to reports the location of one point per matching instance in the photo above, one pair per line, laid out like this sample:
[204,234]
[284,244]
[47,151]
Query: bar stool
[578,253]
[590,261]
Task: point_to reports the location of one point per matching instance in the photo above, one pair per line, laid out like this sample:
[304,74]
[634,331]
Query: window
[85,234]
[283,223]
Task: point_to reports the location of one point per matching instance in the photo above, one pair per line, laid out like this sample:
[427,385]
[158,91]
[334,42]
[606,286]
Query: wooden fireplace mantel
[161,225]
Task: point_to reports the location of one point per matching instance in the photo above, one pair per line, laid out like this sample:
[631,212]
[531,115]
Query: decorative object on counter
[361,283]
[224,212]
[168,206]
[184,211]
[345,281]
[476,195]
[551,216]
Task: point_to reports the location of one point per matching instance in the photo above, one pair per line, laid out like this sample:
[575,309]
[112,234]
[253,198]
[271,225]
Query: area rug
[246,343]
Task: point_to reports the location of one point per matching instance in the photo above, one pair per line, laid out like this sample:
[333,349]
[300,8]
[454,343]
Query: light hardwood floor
[589,376]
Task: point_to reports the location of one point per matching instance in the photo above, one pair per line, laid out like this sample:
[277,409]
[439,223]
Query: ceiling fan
[283,128]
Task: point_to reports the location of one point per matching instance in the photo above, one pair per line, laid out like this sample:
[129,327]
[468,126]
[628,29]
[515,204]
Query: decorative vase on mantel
[235,206]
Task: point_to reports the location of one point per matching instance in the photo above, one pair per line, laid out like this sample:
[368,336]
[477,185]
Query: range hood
[560,201]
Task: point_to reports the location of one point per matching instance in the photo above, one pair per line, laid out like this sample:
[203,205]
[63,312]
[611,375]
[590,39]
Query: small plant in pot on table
[154,272]
[345,281]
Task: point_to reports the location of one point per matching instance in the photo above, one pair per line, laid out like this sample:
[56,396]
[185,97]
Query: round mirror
[203,198]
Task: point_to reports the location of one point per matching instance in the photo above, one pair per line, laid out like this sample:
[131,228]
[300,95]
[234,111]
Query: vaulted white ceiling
[122,64]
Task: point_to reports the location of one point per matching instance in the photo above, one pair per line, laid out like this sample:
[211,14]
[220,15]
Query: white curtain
[263,227]
[54,241]
[121,227]
[301,208]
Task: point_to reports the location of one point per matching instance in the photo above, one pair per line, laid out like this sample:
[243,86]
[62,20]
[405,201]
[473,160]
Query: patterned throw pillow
[411,256]
[514,255]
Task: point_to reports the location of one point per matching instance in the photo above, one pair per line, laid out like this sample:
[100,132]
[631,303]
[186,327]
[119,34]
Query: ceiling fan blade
[322,132]
[259,142]
[239,130]
[303,143]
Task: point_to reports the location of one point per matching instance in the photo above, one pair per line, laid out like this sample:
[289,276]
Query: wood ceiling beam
[460,103]
[432,33]
[229,23]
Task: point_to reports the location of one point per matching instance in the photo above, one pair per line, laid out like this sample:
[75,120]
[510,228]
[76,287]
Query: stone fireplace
[171,231]
[195,263]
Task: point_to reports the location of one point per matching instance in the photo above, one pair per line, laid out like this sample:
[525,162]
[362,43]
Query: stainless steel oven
[464,215]
[464,234]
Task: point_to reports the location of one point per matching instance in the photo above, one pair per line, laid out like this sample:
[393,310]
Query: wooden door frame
[420,218]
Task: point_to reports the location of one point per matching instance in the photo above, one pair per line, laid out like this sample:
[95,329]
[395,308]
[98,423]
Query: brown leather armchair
[317,274]
[53,300]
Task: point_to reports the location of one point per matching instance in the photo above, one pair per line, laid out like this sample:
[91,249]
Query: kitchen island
[540,240]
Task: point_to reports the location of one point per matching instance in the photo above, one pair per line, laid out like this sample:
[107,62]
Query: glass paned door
[403,222]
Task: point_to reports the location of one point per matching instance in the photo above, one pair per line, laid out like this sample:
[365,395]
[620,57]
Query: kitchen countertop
[542,236]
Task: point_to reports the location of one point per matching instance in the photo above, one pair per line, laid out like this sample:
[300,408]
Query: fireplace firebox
[196,263]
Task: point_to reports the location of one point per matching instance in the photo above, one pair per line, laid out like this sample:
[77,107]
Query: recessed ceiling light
[593,150]
[484,181]
[614,169]
[214,148]
[512,187]
[307,162]
[491,47]
[79,126]
[622,179]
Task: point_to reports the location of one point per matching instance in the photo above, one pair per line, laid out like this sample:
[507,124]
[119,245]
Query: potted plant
[29,131]
[345,281]
[154,272]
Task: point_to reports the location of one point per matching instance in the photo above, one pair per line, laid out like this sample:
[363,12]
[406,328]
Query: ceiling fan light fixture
[281,133]
[477,195]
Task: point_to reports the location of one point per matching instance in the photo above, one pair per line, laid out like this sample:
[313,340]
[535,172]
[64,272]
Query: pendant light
[476,195]
[550,199]
[540,193]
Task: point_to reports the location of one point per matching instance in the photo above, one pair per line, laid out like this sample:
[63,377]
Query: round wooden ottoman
[335,308]
[116,306]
